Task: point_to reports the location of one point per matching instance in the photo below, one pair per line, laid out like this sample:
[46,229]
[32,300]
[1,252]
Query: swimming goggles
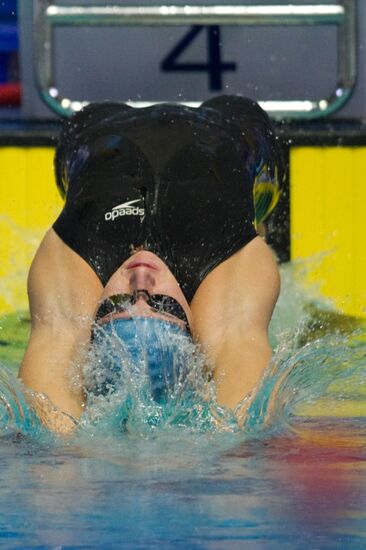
[120,303]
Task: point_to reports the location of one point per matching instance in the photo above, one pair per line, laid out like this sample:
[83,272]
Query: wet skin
[229,315]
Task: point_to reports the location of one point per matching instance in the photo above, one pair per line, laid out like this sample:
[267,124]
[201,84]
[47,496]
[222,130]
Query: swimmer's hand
[51,417]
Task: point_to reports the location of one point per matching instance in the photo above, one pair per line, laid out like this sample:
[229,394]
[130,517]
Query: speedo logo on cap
[125,209]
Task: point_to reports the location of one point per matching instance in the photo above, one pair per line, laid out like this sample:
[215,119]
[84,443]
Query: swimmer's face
[146,271]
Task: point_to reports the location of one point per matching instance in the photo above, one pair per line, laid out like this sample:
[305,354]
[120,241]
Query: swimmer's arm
[237,375]
[63,293]
[46,371]
[232,314]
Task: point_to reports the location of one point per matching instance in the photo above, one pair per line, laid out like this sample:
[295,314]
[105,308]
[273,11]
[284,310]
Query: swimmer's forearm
[47,369]
[239,368]
[51,417]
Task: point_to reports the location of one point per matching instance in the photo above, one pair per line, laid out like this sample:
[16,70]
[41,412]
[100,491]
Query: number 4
[214,67]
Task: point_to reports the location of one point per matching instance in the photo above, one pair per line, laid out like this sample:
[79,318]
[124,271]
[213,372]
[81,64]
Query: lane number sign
[214,66]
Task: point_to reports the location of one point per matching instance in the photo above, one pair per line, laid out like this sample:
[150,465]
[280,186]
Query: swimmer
[161,209]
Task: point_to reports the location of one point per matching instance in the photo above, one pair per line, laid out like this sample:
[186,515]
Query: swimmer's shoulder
[60,282]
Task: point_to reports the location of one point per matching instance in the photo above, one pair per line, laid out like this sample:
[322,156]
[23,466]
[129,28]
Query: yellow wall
[29,203]
[328,221]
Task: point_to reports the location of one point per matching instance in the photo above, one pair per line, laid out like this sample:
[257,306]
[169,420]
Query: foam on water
[17,415]
[136,399]
[317,373]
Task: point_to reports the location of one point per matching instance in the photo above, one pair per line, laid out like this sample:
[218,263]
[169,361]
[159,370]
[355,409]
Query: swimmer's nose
[142,279]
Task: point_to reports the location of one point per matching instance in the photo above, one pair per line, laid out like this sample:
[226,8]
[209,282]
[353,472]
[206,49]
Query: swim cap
[140,348]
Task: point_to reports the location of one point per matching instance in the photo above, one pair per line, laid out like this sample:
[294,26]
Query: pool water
[180,492]
[293,477]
